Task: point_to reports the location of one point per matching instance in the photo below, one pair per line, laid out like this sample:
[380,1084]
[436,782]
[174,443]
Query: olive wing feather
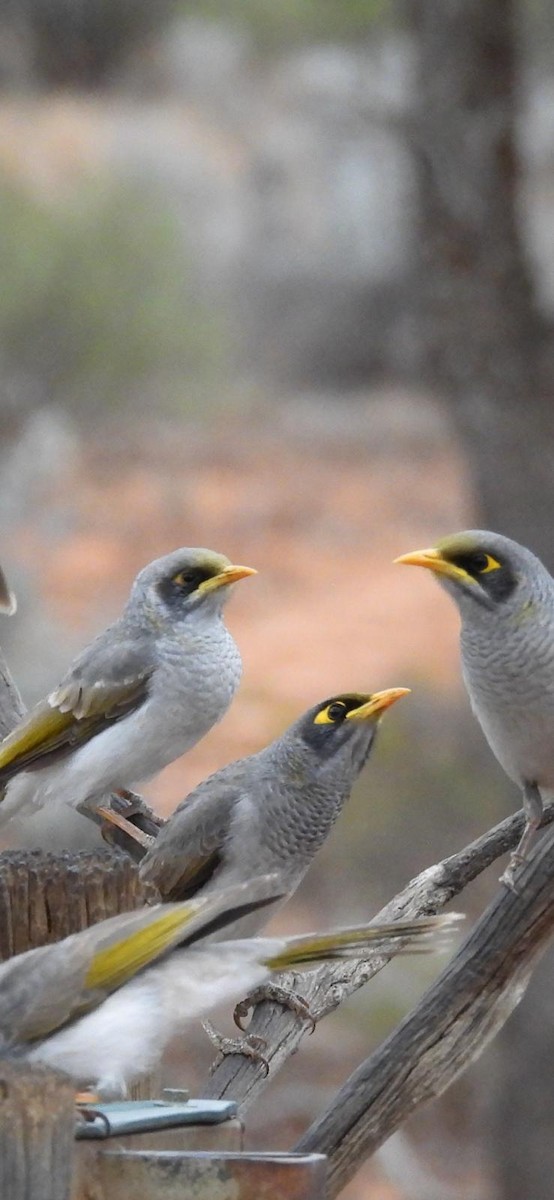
[191,846]
[42,989]
[108,681]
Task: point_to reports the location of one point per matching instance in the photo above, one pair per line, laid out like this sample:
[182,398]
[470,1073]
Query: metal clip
[143,1116]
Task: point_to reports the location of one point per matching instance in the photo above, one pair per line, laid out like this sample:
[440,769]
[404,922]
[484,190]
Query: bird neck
[299,811]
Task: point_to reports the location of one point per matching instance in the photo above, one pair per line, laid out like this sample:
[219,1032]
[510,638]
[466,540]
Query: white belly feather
[190,692]
[124,1038]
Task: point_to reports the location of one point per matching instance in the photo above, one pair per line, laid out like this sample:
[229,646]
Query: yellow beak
[229,575]
[377,703]
[433,560]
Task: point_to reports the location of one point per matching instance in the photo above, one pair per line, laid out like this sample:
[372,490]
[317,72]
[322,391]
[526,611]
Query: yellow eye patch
[331,714]
[492,565]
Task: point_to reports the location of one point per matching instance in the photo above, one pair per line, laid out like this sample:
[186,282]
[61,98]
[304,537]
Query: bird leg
[111,820]
[134,807]
[250,1046]
[533,809]
[127,814]
[275,994]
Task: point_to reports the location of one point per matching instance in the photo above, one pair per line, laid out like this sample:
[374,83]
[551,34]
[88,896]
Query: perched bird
[505,597]
[270,812]
[102,1005]
[141,694]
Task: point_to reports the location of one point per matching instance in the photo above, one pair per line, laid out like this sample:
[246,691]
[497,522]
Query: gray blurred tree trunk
[480,336]
[482,343]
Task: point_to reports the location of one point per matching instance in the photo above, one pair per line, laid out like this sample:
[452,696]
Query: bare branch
[449,1027]
[12,707]
[241,1078]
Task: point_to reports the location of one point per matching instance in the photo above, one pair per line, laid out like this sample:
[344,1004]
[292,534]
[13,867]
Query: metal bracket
[100,1121]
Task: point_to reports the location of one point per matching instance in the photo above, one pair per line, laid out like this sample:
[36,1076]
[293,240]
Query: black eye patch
[174,589]
[496,579]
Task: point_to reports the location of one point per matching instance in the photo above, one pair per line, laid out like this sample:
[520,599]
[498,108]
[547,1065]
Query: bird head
[188,580]
[340,731]
[481,570]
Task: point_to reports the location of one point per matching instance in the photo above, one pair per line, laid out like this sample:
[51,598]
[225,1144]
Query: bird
[140,695]
[102,1005]
[505,598]
[269,812]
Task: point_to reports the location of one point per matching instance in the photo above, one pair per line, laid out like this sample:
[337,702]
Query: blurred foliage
[82,42]
[536,32]
[85,43]
[285,22]
[96,304]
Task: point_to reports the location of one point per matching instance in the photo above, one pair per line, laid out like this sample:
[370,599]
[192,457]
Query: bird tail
[420,935]
[136,940]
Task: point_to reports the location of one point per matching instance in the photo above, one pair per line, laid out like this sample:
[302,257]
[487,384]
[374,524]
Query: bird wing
[43,989]
[107,682]
[190,848]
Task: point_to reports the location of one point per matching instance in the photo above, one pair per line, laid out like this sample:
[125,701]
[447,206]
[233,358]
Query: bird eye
[331,714]
[182,579]
[485,562]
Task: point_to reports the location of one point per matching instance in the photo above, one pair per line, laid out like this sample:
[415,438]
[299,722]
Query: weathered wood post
[37,1118]
[37,1130]
[44,897]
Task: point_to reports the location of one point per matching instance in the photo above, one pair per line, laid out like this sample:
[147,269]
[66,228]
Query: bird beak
[8,602]
[434,561]
[376,705]
[229,575]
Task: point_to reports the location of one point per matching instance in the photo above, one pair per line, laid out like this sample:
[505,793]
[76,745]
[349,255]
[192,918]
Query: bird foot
[250,1046]
[113,820]
[507,877]
[127,803]
[275,995]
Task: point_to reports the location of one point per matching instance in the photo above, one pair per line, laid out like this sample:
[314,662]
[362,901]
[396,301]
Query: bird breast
[196,680]
[510,680]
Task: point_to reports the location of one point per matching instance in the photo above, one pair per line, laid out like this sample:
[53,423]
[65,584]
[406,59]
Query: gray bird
[505,597]
[272,811]
[143,692]
[102,1005]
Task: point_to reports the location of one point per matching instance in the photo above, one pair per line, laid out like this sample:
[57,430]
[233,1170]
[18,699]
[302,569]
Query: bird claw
[250,1046]
[275,994]
[507,876]
[112,819]
[126,803]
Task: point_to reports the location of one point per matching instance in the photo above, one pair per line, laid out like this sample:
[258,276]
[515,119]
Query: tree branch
[12,707]
[447,1029]
[241,1078]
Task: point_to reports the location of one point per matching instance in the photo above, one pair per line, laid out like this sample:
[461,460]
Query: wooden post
[167,1175]
[45,897]
[37,1124]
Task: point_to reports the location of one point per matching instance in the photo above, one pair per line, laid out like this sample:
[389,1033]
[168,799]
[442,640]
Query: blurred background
[277,277]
